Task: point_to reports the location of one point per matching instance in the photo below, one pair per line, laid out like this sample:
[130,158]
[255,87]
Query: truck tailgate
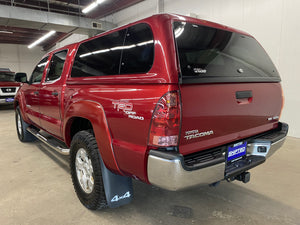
[216,114]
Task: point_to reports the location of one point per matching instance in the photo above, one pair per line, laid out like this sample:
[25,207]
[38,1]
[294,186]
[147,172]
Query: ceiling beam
[29,18]
[104,10]
[22,30]
[53,6]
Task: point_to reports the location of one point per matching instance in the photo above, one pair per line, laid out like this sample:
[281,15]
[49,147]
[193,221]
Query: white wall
[274,23]
[19,58]
[70,40]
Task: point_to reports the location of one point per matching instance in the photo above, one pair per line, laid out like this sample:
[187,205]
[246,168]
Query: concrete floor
[36,188]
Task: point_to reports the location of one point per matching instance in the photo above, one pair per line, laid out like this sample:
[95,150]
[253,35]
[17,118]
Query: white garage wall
[19,58]
[69,40]
[274,23]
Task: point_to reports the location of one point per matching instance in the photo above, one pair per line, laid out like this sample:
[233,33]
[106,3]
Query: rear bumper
[168,170]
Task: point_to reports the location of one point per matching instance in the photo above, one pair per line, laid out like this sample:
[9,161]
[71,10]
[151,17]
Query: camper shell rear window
[207,54]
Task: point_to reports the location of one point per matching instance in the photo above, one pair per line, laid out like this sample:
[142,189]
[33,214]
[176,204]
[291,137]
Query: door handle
[243,94]
[54,93]
[36,93]
[243,97]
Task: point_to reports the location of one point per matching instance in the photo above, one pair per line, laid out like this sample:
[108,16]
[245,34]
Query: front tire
[21,125]
[85,164]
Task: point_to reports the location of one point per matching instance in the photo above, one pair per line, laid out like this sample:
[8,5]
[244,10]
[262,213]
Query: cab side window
[100,56]
[56,65]
[138,50]
[128,51]
[38,71]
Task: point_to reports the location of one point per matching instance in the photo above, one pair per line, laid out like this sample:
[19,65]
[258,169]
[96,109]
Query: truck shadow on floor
[61,160]
[228,203]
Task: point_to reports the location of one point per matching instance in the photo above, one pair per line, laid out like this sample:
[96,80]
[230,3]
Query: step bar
[52,143]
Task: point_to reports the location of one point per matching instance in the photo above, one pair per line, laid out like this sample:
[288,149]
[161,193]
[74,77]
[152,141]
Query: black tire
[96,199]
[23,134]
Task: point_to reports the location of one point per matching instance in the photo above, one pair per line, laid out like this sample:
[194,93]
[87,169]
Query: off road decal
[127,108]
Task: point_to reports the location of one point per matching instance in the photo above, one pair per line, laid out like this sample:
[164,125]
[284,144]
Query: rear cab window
[207,54]
[56,66]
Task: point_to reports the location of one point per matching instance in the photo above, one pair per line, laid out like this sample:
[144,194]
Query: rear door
[50,94]
[229,87]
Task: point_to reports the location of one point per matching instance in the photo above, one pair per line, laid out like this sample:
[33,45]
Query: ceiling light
[92,6]
[42,38]
[6,32]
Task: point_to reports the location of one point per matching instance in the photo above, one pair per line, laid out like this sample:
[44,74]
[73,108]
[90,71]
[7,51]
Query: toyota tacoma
[169,100]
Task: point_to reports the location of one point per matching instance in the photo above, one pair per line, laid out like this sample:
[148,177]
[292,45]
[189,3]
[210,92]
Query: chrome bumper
[271,141]
[167,170]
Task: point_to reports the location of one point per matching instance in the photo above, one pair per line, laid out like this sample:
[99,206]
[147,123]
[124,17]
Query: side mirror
[21,77]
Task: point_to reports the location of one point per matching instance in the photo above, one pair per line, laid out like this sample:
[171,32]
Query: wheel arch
[84,115]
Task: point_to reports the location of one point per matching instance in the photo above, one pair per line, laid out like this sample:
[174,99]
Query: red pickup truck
[169,100]
[8,86]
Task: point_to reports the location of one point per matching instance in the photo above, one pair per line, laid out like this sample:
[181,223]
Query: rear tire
[23,134]
[85,165]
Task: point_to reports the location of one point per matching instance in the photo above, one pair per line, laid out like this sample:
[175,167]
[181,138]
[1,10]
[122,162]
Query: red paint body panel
[50,110]
[31,100]
[94,112]
[129,136]
[122,140]
[214,107]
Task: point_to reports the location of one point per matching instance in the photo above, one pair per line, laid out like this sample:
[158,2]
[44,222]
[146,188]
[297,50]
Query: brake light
[165,123]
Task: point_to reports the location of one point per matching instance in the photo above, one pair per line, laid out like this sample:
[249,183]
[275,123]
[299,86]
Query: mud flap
[118,189]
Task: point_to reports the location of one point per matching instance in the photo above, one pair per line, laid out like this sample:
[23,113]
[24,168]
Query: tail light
[165,123]
[282,103]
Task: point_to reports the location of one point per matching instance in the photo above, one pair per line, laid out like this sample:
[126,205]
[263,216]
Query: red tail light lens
[282,103]
[164,130]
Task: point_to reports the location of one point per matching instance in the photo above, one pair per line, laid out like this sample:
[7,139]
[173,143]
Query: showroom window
[38,71]
[138,51]
[56,65]
[100,56]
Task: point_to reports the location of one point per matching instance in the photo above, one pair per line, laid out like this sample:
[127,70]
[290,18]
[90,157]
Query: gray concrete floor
[36,188]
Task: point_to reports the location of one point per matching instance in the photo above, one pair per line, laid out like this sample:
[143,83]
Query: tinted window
[100,56]
[138,50]
[215,55]
[38,71]
[56,65]
[7,76]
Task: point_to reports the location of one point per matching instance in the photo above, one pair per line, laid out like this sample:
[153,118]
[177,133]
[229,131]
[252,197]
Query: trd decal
[122,106]
[127,108]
